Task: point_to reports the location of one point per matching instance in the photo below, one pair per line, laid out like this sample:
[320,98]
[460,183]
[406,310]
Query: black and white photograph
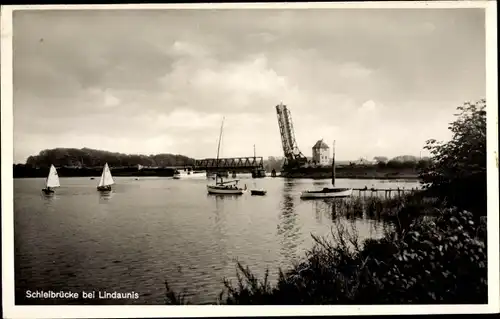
[265,154]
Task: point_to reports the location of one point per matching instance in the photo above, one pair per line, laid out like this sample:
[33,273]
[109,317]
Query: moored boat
[258,192]
[226,188]
[328,192]
[221,187]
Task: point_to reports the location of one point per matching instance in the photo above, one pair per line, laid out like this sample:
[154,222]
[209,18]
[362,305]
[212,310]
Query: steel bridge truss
[236,163]
[290,148]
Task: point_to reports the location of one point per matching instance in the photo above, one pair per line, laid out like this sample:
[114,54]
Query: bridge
[236,164]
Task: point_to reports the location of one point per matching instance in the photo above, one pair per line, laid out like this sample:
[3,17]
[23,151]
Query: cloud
[110,100]
[354,70]
[368,107]
[161,80]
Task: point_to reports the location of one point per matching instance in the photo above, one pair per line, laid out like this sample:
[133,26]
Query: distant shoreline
[317,173]
[366,177]
[367,172]
[25,172]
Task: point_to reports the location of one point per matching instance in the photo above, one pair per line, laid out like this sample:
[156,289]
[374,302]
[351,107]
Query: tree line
[86,157]
[381,162]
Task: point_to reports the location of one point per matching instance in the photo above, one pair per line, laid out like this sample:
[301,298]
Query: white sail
[53,178]
[106,178]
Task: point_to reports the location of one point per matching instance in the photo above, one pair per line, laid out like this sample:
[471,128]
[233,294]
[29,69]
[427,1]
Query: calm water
[156,229]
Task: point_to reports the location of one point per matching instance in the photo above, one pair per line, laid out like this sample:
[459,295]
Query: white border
[12,311]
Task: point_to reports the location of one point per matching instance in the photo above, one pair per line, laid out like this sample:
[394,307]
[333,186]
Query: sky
[379,82]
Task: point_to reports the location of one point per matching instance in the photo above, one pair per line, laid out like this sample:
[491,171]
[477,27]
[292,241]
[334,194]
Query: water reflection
[322,207]
[105,196]
[288,228]
[219,198]
[49,197]
[49,200]
[220,229]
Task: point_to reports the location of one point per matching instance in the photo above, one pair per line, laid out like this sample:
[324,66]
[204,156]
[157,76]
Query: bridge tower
[293,156]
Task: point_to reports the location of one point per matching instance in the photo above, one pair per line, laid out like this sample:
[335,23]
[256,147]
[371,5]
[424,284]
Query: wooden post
[333,165]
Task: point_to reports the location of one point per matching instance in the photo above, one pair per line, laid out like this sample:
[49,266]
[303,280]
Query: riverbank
[317,173]
[27,172]
[364,172]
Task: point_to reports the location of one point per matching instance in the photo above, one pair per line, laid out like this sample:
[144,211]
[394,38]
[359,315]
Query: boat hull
[104,188]
[327,193]
[48,191]
[258,192]
[223,190]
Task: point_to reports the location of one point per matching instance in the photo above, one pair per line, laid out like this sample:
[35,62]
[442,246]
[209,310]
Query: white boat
[221,187]
[229,188]
[106,180]
[52,181]
[328,192]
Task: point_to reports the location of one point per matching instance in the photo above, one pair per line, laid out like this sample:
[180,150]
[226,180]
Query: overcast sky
[380,82]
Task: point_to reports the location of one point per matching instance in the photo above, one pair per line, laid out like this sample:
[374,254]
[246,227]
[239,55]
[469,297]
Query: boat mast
[333,164]
[218,149]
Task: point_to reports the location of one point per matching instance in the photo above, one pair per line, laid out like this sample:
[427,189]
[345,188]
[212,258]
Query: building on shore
[321,153]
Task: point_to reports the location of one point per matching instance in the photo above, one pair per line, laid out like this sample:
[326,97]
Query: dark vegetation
[23,171]
[72,162]
[399,167]
[381,164]
[86,157]
[433,252]
[353,171]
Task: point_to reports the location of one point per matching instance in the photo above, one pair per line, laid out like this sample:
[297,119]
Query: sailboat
[221,187]
[333,192]
[52,181]
[257,172]
[106,180]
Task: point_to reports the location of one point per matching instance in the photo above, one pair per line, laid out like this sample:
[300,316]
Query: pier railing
[385,192]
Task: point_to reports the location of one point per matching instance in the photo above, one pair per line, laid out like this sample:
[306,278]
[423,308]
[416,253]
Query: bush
[457,172]
[436,260]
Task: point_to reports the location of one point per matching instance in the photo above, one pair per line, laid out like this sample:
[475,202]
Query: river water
[156,229]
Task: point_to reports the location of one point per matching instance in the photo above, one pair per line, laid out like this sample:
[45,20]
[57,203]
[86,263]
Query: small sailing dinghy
[333,192]
[106,180]
[177,175]
[52,181]
[221,187]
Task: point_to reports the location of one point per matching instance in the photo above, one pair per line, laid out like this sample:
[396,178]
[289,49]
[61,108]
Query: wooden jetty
[388,192]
